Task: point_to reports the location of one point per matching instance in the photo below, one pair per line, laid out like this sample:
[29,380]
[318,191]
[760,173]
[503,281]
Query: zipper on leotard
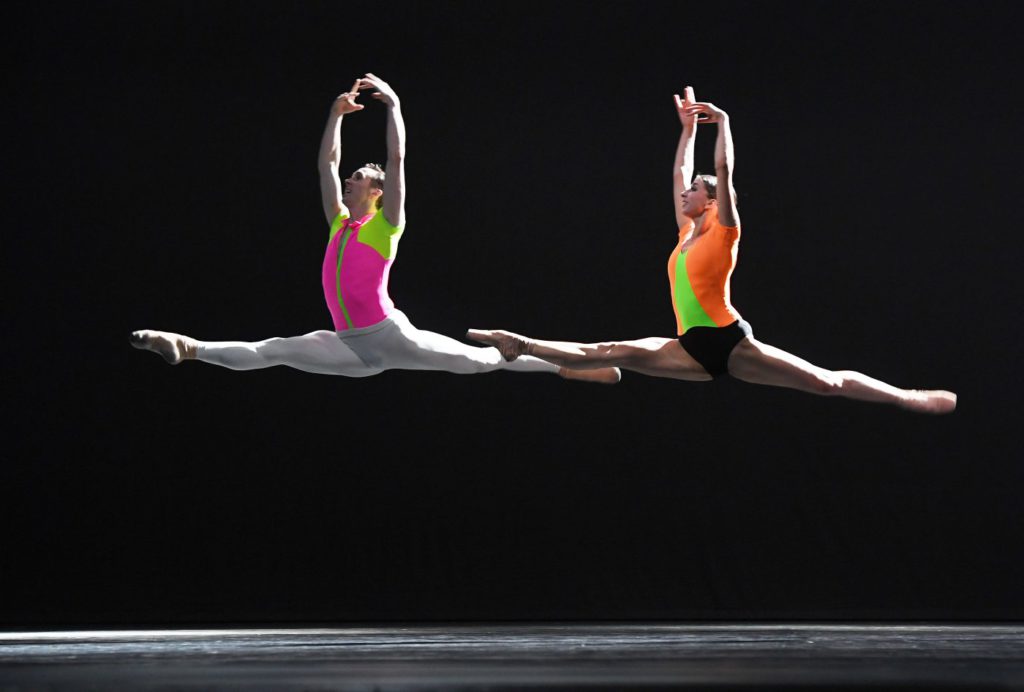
[341,254]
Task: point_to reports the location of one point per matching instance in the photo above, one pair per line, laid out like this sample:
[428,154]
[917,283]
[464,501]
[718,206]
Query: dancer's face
[696,198]
[358,188]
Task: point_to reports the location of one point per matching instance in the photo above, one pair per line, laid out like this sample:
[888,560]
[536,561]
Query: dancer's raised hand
[346,103]
[384,91]
[682,104]
[706,112]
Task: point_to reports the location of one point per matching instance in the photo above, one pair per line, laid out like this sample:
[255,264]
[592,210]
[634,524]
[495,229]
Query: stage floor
[512,657]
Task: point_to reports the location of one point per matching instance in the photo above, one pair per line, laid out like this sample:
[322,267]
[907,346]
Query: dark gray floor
[511,657]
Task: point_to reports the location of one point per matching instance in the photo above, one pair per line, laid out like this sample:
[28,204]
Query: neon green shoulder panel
[381,236]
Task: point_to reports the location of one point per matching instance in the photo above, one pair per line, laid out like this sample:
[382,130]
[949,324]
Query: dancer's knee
[472,361]
[273,351]
[617,353]
[474,365]
[476,368]
[602,353]
[827,383]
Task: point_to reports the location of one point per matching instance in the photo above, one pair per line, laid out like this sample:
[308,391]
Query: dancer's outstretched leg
[425,350]
[759,363]
[399,346]
[320,352]
[750,361]
[654,356]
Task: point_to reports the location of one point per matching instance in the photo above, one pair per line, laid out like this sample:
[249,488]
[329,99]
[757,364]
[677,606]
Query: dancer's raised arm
[394,179]
[724,160]
[330,152]
[682,168]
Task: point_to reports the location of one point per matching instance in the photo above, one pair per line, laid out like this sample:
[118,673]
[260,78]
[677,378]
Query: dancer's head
[364,186]
[700,196]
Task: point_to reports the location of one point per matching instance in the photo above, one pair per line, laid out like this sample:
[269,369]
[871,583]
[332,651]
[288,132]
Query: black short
[711,346]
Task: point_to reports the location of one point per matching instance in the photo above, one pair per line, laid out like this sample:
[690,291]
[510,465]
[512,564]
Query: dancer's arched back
[713,339]
[366,215]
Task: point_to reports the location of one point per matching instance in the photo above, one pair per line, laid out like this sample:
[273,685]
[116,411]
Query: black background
[161,173]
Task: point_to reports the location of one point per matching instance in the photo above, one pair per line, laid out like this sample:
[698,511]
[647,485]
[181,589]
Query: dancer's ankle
[189,348]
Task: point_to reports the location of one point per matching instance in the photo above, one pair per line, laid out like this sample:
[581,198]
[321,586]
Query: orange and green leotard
[699,276]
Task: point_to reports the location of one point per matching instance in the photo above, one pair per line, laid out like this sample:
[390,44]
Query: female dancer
[713,339]
[367,219]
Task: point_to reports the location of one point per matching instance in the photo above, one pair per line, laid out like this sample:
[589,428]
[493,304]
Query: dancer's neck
[698,224]
[358,212]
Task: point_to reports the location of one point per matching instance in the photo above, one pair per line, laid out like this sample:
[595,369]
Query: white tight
[394,344]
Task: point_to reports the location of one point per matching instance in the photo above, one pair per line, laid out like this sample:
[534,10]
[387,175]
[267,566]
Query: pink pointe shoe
[510,345]
[934,401]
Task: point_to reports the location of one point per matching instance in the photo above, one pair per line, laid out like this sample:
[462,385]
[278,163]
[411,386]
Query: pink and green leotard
[355,272]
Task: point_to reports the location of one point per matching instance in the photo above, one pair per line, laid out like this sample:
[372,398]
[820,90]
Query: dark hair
[710,183]
[376,177]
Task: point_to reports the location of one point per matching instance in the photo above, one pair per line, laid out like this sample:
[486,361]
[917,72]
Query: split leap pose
[713,339]
[367,219]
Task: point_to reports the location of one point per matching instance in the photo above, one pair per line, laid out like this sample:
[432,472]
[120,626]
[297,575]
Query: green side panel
[690,310]
[337,274]
[338,220]
[381,236]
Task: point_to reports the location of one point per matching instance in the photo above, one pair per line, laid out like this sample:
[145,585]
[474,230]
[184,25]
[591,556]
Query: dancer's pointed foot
[930,401]
[510,345]
[599,375]
[173,347]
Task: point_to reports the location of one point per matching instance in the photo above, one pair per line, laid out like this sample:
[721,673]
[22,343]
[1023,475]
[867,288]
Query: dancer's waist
[393,317]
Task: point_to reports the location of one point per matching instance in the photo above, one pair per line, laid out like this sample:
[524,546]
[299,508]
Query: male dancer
[367,220]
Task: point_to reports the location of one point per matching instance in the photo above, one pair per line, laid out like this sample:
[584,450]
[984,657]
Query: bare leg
[759,363]
[653,356]
[318,352]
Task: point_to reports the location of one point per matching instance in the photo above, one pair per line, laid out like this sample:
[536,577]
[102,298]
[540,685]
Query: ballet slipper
[934,401]
[173,347]
[510,345]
